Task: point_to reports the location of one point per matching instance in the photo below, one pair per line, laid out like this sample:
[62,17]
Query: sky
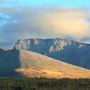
[21,19]
[36,3]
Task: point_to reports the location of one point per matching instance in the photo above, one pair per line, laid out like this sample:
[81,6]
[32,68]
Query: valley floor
[44,84]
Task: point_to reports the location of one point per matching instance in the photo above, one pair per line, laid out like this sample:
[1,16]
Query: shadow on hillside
[9,61]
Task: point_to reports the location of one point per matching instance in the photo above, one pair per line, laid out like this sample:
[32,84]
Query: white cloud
[66,22]
[50,22]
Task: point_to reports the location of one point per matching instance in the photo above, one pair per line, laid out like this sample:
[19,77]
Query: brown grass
[37,65]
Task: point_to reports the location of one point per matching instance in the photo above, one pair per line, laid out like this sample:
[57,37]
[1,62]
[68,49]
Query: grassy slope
[37,65]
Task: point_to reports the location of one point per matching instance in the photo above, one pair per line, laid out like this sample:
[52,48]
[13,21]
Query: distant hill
[14,63]
[1,50]
[66,50]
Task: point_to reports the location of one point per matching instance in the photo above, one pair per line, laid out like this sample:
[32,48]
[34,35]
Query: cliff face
[66,50]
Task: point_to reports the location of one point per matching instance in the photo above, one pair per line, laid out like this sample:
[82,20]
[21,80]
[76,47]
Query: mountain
[14,63]
[1,50]
[9,61]
[66,50]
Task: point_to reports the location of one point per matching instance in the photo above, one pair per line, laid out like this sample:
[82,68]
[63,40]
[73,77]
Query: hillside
[14,63]
[1,50]
[37,65]
[69,51]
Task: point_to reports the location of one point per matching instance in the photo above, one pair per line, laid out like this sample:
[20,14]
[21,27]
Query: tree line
[44,84]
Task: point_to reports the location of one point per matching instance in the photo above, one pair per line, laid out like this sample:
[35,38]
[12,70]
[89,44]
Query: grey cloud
[86,39]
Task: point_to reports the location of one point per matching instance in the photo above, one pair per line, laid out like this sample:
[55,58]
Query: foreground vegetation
[44,84]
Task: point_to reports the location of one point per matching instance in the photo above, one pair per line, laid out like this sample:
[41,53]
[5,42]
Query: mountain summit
[66,50]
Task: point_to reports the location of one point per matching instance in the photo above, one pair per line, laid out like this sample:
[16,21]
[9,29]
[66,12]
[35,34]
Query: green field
[44,84]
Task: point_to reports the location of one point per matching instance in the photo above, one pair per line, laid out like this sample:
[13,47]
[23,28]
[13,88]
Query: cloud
[26,22]
[70,22]
[62,24]
[86,39]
